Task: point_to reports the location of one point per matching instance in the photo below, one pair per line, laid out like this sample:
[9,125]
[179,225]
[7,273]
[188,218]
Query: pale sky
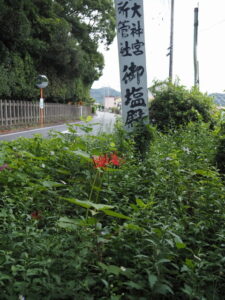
[211,45]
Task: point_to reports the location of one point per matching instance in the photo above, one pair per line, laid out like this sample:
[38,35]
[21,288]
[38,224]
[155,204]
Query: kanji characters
[132,72]
[134,97]
[134,115]
[132,60]
[135,48]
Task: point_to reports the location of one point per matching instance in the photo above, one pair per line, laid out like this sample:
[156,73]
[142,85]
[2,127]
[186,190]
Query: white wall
[109,102]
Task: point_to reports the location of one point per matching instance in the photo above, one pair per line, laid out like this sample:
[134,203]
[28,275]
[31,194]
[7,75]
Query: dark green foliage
[142,136]
[56,38]
[220,155]
[174,106]
[163,238]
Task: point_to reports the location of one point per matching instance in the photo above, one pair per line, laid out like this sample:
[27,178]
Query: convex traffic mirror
[42,81]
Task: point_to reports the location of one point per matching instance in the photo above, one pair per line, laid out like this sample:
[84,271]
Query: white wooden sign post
[131,48]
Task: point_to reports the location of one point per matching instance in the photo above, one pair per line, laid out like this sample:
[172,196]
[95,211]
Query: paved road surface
[105,122]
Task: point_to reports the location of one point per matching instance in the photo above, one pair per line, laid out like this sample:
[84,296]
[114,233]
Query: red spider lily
[36,215]
[101,161]
[5,166]
[115,160]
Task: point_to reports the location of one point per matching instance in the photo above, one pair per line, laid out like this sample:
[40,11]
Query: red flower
[36,215]
[5,166]
[115,160]
[101,161]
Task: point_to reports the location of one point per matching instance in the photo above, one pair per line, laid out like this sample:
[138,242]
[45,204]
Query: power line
[213,25]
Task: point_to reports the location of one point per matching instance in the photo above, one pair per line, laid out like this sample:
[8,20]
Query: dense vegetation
[56,38]
[174,106]
[87,218]
[220,155]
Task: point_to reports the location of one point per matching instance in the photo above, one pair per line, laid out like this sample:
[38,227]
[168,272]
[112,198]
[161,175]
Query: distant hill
[101,93]
[219,98]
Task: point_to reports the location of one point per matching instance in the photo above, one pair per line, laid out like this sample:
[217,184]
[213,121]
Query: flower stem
[92,187]
[91,192]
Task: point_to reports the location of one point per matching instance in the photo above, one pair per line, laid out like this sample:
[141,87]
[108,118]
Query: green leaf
[33,272]
[115,214]
[162,261]
[96,152]
[140,203]
[133,227]
[4,277]
[180,245]
[88,204]
[158,231]
[26,154]
[105,283]
[63,171]
[170,242]
[57,278]
[101,206]
[111,269]
[189,263]
[206,173]
[111,169]
[163,289]
[50,184]
[85,204]
[72,224]
[89,119]
[187,290]
[88,221]
[134,207]
[97,188]
[67,223]
[83,154]
[137,286]
[152,279]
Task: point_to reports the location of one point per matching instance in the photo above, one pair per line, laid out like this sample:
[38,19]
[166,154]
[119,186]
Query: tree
[175,106]
[57,38]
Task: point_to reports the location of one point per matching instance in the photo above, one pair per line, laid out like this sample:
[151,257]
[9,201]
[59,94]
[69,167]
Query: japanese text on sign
[131,48]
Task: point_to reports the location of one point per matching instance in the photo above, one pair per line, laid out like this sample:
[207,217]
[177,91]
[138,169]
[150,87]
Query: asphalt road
[102,122]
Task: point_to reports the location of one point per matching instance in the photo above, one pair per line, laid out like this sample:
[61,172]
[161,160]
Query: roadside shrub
[115,110]
[137,142]
[93,109]
[174,106]
[220,155]
[143,136]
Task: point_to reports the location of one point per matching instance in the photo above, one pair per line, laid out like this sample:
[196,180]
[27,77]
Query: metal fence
[19,113]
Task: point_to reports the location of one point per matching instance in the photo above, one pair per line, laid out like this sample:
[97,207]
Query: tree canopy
[175,106]
[57,38]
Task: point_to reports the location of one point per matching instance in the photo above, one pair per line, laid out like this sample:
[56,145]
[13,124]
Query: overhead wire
[213,25]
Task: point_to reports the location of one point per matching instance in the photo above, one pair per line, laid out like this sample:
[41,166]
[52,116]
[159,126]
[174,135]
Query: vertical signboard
[131,48]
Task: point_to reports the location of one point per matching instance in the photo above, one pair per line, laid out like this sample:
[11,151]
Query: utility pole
[171,42]
[196,64]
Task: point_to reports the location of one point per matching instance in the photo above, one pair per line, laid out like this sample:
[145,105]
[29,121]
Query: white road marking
[31,130]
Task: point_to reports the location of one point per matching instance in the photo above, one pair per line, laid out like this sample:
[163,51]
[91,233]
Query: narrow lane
[102,122]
